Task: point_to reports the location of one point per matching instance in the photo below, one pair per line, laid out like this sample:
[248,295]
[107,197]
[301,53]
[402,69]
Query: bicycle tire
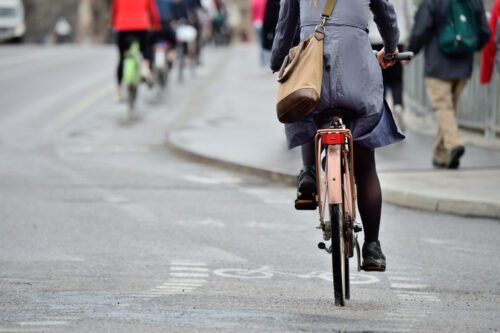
[346,280]
[338,254]
[131,99]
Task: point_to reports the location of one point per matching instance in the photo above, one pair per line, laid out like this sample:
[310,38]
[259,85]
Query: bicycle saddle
[325,117]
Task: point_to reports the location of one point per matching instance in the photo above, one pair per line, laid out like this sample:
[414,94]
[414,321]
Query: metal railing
[479,105]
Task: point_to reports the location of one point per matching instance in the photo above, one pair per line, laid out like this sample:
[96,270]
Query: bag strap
[327,10]
[319,31]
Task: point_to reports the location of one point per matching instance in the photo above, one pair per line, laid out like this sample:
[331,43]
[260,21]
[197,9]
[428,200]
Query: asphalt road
[102,229]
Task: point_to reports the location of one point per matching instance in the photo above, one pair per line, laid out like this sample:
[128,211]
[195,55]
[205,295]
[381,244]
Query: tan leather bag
[301,75]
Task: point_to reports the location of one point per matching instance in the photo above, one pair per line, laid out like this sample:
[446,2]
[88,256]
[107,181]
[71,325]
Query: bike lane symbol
[266,272]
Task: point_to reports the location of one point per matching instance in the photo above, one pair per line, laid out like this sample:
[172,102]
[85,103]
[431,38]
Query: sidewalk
[231,122]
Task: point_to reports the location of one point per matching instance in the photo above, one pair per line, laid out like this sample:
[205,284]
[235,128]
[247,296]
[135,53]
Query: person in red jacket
[134,20]
[488,54]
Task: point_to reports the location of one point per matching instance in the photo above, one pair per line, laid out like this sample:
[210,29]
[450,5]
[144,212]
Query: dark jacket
[429,19]
[269,24]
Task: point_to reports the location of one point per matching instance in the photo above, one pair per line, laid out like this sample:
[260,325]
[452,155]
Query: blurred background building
[89,19]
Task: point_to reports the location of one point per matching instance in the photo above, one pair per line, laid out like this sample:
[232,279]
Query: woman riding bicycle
[352,79]
[133,20]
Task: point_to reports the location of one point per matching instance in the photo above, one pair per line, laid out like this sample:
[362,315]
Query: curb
[465,208]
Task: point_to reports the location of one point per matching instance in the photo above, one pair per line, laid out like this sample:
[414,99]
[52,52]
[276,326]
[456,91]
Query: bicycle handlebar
[400,56]
[397,57]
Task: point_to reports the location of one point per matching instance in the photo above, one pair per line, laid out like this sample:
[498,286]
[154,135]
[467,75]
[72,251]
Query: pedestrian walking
[490,57]
[448,64]
[62,30]
[269,24]
[352,79]
[258,8]
[393,76]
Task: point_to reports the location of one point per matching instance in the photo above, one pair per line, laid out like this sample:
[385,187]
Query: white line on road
[172,284]
[420,298]
[190,269]
[194,281]
[185,277]
[189,275]
[14,329]
[42,323]
[163,288]
[187,263]
[212,180]
[79,107]
[408,286]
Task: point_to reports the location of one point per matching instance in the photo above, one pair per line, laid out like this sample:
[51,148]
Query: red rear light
[332,138]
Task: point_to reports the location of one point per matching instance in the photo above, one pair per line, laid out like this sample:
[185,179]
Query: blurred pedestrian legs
[258,12]
[444,96]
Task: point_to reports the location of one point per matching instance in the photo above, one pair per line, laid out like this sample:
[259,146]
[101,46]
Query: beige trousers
[444,96]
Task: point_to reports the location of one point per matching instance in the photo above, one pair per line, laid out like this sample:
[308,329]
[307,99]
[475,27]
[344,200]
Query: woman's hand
[384,63]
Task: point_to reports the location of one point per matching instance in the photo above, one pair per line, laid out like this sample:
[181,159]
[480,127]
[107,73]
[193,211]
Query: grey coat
[429,19]
[352,77]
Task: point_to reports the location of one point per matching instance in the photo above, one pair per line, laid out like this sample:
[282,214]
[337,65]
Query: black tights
[367,185]
[124,39]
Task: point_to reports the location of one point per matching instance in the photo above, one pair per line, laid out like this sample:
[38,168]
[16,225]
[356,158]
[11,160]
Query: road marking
[190,269]
[189,275]
[179,285]
[117,200]
[266,272]
[186,263]
[80,106]
[34,326]
[16,329]
[428,298]
[183,283]
[111,149]
[212,180]
[42,323]
[406,315]
[173,280]
[185,277]
[408,286]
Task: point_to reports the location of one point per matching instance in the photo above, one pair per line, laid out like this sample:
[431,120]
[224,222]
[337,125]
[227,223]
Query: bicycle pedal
[306,204]
[373,268]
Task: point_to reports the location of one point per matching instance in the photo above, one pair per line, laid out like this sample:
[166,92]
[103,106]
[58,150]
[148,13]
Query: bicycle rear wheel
[339,260]
[131,99]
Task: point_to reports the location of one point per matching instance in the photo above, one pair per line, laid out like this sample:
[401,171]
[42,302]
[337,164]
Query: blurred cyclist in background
[133,20]
[166,32]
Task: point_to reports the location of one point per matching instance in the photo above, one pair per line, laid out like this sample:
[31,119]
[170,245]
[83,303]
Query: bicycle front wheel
[339,261]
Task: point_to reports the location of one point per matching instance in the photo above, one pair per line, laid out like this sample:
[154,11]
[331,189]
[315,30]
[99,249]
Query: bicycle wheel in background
[131,98]
[131,75]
